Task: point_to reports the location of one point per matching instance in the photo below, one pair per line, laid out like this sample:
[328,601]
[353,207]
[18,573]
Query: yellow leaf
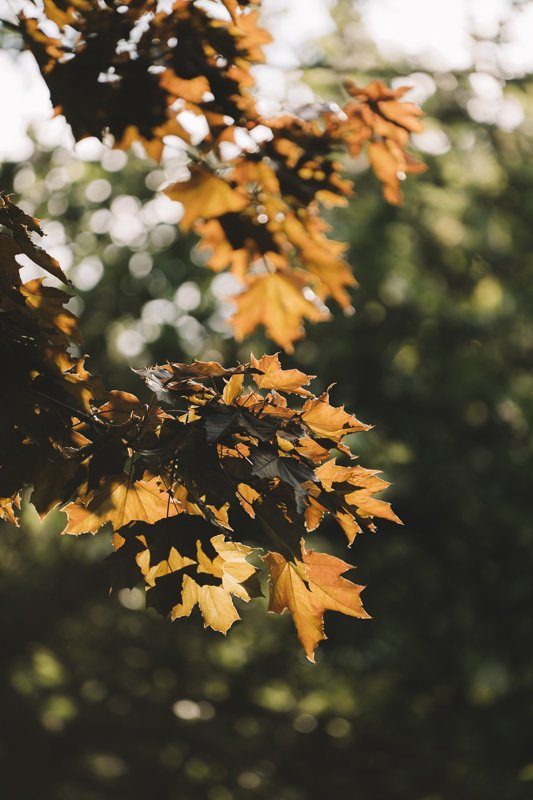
[331,472]
[387,166]
[289,591]
[119,501]
[331,591]
[214,602]
[8,507]
[368,506]
[406,115]
[205,196]
[230,565]
[276,301]
[307,447]
[246,496]
[49,305]
[153,147]
[322,257]
[349,525]
[233,389]
[235,568]
[173,563]
[120,407]
[330,422]
[253,36]
[314,513]
[274,377]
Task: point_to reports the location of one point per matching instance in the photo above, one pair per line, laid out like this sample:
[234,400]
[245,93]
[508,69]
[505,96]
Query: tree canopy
[173,474]
[432,697]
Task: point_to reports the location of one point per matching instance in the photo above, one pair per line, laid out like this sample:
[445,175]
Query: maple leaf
[251,437]
[378,115]
[120,407]
[272,376]
[215,603]
[77,381]
[348,492]
[204,196]
[275,301]
[193,89]
[120,500]
[307,589]
[49,305]
[176,585]
[369,506]
[247,495]
[330,422]
[263,204]
[252,35]
[22,225]
[230,565]
[332,473]
[388,162]
[233,389]
[322,258]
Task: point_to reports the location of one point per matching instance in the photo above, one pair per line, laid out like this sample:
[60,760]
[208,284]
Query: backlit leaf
[307,589]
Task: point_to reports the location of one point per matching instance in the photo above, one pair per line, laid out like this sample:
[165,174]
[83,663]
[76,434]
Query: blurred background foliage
[432,700]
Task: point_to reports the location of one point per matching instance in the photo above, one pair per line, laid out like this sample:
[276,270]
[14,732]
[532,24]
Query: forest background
[431,699]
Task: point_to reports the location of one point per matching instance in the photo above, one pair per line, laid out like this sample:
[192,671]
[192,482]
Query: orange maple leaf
[120,501]
[276,301]
[205,196]
[308,588]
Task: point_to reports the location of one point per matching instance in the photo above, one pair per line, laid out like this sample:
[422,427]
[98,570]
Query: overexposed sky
[442,35]
[435,35]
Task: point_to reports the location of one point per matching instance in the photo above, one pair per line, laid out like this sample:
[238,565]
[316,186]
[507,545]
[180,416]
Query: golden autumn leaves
[210,455]
[239,443]
[214,455]
[227,572]
[258,213]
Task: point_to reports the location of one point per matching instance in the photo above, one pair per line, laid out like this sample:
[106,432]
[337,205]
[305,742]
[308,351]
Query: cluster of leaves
[44,381]
[134,71]
[211,452]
